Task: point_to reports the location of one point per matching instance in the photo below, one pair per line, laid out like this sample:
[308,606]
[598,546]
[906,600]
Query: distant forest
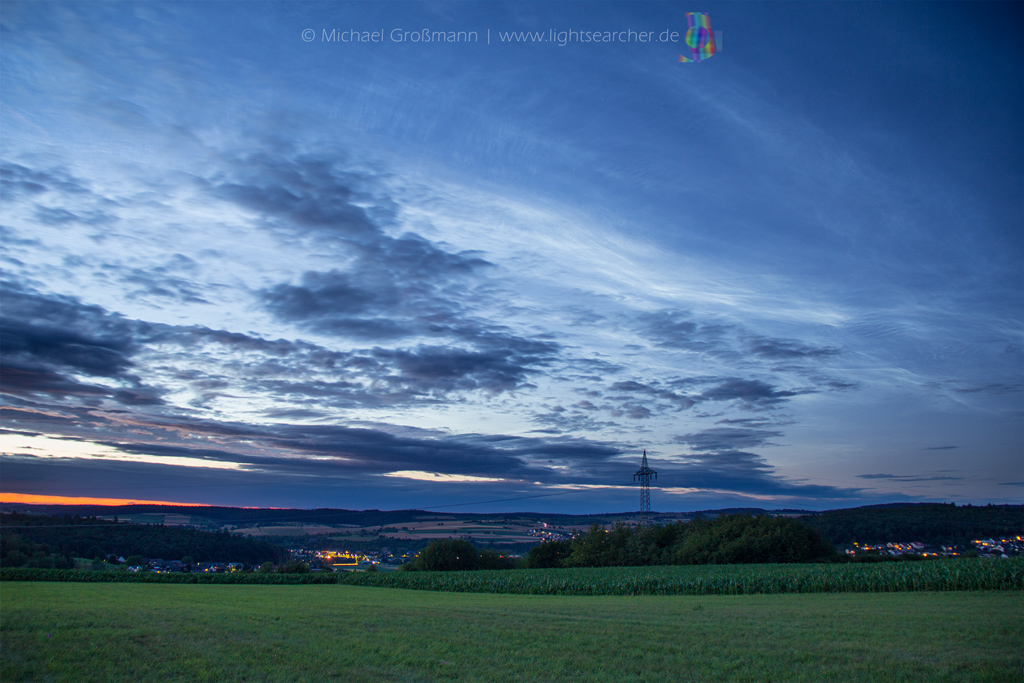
[728,539]
[244,517]
[930,523]
[51,541]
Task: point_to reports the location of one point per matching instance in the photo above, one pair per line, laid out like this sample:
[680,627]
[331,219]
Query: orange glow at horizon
[31,499]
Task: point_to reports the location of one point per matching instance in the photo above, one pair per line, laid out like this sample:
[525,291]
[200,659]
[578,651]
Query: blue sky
[241,267]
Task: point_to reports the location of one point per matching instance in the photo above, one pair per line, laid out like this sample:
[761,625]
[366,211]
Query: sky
[480,256]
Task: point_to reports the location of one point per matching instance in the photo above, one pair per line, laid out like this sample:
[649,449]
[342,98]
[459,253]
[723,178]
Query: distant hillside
[216,517]
[931,523]
[50,538]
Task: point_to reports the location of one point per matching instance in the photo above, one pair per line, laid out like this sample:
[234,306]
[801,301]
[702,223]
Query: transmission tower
[644,474]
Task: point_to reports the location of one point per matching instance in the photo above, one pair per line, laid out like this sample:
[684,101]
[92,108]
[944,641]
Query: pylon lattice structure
[644,475]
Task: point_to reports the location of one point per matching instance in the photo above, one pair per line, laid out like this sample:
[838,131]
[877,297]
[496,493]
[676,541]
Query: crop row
[718,579]
[946,575]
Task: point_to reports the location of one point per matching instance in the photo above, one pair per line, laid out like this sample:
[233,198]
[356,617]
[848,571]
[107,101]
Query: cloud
[636,412]
[728,438]
[621,398]
[46,341]
[53,344]
[377,376]
[748,474]
[324,295]
[681,402]
[59,330]
[678,330]
[161,282]
[381,376]
[322,197]
[58,217]
[303,193]
[681,330]
[445,369]
[390,288]
[903,478]
[375,299]
[53,197]
[18,180]
[992,388]
[778,349]
[723,463]
[9,237]
[752,393]
[330,452]
[350,451]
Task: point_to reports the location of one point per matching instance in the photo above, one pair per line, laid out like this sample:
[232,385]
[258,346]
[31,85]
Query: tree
[549,554]
[492,560]
[294,567]
[735,539]
[589,549]
[16,558]
[446,555]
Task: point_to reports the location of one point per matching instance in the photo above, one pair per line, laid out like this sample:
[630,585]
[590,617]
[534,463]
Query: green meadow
[180,632]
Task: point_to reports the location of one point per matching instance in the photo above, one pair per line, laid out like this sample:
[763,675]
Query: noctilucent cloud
[476,256]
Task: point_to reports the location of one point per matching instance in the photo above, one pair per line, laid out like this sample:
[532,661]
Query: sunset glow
[30,499]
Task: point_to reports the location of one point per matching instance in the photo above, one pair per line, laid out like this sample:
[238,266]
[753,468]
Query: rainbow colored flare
[699,37]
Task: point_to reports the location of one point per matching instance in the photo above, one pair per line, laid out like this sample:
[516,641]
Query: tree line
[930,523]
[54,542]
[456,554]
[729,539]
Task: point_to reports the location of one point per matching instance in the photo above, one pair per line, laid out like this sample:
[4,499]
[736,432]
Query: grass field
[152,632]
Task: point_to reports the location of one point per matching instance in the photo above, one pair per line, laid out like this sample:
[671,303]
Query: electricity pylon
[644,474]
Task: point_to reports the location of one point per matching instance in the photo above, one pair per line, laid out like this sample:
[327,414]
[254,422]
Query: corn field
[945,575]
[734,579]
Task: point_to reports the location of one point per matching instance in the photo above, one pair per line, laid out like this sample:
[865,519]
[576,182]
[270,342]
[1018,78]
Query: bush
[548,554]
[445,555]
[456,555]
[294,567]
[489,559]
[15,558]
